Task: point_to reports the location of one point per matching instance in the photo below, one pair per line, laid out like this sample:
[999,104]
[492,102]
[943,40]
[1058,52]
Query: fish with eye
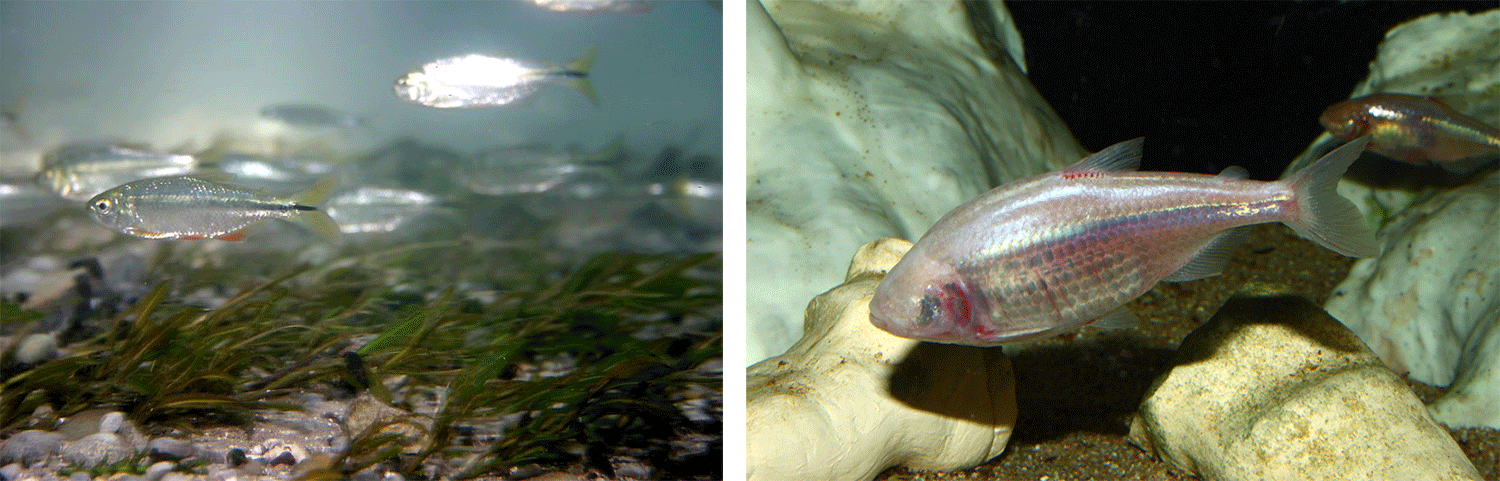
[1045,255]
[1415,129]
[474,81]
[190,208]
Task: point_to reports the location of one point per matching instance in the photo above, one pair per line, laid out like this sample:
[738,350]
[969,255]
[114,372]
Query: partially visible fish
[1413,129]
[1041,256]
[81,170]
[188,208]
[379,209]
[595,6]
[310,116]
[533,168]
[475,80]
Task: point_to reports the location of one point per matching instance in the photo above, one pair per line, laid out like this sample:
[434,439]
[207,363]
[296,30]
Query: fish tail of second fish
[313,218]
[580,69]
[1324,216]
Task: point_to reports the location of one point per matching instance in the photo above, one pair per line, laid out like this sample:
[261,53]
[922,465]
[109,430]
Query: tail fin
[581,68]
[317,220]
[1325,217]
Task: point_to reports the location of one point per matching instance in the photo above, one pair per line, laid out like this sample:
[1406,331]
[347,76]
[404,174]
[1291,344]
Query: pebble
[30,447]
[78,476]
[36,348]
[235,457]
[169,449]
[112,422]
[1275,388]
[10,471]
[159,470]
[96,449]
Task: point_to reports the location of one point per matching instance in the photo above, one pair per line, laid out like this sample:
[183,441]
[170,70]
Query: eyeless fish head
[921,300]
[413,87]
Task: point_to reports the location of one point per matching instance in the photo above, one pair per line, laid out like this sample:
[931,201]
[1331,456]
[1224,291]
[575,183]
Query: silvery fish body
[379,209]
[595,6]
[189,208]
[1045,255]
[1414,129]
[533,168]
[475,80]
[311,116]
[81,170]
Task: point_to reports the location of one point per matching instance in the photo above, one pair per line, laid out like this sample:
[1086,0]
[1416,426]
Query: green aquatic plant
[353,324]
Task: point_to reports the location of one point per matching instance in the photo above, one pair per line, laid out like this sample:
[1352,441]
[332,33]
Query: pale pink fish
[1045,255]
[1415,129]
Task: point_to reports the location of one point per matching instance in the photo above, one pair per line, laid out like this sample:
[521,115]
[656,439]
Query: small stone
[630,468]
[78,476]
[36,348]
[235,457]
[10,472]
[96,449]
[175,476]
[169,449]
[159,470]
[112,422]
[286,458]
[30,447]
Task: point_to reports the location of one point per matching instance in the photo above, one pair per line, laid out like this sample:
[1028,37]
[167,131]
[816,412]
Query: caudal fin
[581,82]
[1325,217]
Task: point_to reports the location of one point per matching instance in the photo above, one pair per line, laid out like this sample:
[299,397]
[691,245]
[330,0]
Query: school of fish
[1045,255]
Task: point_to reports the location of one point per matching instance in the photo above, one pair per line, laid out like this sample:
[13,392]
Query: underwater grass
[354,323]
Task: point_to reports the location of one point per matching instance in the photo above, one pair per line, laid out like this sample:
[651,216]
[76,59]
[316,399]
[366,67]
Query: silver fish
[1041,256]
[533,168]
[595,6]
[379,209]
[80,170]
[188,208]
[310,116]
[475,80]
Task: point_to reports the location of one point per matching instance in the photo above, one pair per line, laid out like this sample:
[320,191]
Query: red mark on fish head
[958,304]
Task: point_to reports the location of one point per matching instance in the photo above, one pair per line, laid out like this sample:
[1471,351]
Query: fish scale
[1044,255]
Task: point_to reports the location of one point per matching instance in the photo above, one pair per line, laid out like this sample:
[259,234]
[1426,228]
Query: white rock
[1430,303]
[870,119]
[1273,388]
[112,422]
[849,400]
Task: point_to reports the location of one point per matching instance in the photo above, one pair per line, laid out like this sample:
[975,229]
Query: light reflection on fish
[1413,129]
[533,168]
[188,208]
[310,116]
[1041,256]
[379,209]
[595,6]
[80,170]
[474,80]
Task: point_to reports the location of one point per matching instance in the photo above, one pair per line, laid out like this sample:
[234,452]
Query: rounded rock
[112,422]
[159,470]
[36,348]
[96,449]
[169,449]
[30,447]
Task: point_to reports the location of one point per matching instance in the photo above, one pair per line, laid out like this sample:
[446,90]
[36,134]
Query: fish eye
[103,206]
[929,312]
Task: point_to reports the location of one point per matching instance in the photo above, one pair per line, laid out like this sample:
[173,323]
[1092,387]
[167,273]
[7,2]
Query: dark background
[1209,84]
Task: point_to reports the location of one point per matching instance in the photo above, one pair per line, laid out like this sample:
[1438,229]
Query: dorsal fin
[1124,156]
[1234,172]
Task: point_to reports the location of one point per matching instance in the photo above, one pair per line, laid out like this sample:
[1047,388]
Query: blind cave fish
[1414,129]
[1041,256]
